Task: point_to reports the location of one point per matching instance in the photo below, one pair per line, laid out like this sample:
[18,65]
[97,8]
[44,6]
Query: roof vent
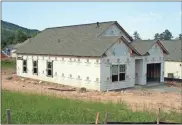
[97,24]
[59,40]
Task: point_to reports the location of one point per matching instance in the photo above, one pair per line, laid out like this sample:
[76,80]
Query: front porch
[148,73]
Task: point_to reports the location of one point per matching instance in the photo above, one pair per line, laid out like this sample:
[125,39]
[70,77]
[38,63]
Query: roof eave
[124,31]
[130,46]
[56,55]
[162,47]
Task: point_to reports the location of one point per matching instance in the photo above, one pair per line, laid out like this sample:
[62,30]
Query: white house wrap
[98,56]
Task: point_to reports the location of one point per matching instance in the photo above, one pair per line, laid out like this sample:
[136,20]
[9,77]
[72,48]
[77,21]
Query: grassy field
[8,64]
[31,108]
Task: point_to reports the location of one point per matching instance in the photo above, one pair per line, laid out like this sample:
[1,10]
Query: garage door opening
[153,72]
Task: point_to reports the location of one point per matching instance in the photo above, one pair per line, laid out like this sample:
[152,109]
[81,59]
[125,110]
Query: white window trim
[35,67]
[118,72]
[25,66]
[47,68]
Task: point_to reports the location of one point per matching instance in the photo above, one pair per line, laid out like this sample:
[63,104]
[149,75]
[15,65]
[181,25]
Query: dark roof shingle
[174,48]
[78,40]
[143,46]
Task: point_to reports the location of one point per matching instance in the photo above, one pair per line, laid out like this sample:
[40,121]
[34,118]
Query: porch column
[162,72]
[144,74]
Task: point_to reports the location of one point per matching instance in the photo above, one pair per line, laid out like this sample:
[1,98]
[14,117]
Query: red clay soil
[3,56]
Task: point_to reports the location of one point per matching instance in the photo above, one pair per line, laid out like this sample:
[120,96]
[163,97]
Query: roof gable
[116,30]
[143,46]
[124,31]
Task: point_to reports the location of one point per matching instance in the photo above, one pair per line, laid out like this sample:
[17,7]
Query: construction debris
[62,89]
[22,79]
[9,78]
[82,90]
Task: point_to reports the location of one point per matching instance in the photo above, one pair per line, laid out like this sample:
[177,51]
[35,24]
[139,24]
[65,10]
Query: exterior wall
[138,71]
[13,53]
[114,30]
[173,67]
[94,70]
[118,49]
[123,54]
[84,69]
[156,56]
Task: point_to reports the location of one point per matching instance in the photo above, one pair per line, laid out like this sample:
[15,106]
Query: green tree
[167,35]
[136,35]
[20,36]
[180,36]
[156,36]
[161,36]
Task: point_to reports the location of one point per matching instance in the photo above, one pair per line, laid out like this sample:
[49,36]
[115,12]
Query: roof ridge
[81,24]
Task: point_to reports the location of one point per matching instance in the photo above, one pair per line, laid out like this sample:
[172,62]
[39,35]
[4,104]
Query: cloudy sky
[147,18]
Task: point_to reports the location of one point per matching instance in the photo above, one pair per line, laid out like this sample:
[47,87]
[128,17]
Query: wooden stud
[158,116]
[8,116]
[97,118]
[106,118]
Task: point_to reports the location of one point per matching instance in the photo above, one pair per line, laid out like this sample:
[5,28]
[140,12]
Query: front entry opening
[153,72]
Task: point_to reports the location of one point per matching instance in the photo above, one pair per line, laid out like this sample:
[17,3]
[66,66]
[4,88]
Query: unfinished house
[173,61]
[97,56]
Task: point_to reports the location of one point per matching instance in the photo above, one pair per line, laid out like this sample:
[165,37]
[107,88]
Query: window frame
[49,68]
[122,72]
[35,67]
[113,74]
[25,66]
[118,73]
[170,75]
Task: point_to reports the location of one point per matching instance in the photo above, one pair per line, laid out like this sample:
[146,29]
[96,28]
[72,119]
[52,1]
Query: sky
[147,18]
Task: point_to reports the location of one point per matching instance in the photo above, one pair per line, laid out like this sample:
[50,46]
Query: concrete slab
[165,88]
[162,88]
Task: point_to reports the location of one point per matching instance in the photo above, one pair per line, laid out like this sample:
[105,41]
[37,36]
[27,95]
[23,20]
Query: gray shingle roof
[174,48]
[11,46]
[18,45]
[78,40]
[143,46]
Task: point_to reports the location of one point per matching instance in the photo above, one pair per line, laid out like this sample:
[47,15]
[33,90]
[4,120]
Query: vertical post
[97,118]
[158,116]
[106,118]
[8,116]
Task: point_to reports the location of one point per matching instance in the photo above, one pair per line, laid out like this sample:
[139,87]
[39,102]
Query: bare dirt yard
[137,99]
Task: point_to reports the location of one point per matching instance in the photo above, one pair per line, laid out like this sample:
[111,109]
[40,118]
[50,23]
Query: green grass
[33,108]
[8,64]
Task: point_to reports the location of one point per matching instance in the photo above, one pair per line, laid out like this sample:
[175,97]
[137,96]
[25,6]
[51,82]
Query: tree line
[166,35]
[9,38]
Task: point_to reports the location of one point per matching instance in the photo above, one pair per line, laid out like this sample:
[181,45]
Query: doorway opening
[153,72]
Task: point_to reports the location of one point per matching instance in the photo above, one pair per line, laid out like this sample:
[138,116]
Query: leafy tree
[13,34]
[161,36]
[156,36]
[166,35]
[180,36]
[20,36]
[136,35]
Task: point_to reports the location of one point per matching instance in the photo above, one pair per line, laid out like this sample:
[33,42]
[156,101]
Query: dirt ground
[137,99]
